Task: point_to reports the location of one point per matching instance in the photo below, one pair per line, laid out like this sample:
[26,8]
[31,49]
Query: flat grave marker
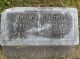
[45,31]
[39,26]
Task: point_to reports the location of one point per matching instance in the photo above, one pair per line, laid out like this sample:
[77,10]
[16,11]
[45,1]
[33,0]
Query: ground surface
[43,3]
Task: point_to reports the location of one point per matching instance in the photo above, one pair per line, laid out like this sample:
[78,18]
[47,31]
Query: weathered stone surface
[39,26]
[39,29]
[50,25]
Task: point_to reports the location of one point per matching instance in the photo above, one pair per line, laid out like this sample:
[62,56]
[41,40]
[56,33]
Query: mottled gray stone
[51,25]
[39,26]
[45,32]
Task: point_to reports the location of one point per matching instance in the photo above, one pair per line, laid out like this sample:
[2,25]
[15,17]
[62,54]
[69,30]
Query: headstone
[39,26]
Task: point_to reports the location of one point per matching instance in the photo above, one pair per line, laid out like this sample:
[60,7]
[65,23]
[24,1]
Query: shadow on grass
[1,48]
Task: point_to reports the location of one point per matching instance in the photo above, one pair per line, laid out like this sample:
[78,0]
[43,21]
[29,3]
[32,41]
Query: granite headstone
[44,31]
[39,26]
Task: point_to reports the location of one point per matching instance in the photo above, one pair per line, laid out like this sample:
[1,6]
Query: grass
[4,4]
